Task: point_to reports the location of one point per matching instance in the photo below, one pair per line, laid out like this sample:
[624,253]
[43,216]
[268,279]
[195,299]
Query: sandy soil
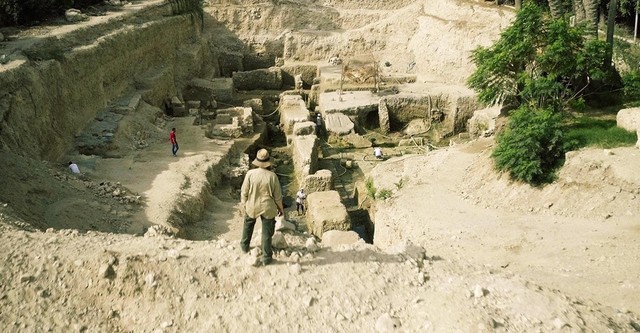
[455,205]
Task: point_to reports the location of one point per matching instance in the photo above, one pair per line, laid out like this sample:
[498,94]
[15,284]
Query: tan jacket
[259,193]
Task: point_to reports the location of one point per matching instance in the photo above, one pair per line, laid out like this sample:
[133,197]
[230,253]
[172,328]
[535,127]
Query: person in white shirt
[300,196]
[74,168]
[377,152]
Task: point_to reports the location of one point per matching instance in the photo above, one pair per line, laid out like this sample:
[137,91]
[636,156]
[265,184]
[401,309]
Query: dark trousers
[268,228]
[174,148]
[299,207]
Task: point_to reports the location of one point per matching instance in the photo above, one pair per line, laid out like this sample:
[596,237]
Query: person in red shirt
[174,141]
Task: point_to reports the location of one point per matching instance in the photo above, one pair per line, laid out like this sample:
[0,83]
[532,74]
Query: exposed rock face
[292,110]
[97,139]
[629,119]
[320,181]
[268,79]
[90,80]
[326,212]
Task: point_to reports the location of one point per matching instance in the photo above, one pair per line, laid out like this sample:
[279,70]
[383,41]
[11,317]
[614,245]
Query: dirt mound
[105,283]
[593,183]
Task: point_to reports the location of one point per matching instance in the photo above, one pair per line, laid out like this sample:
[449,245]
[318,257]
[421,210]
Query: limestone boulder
[629,119]
[304,128]
[338,123]
[339,237]
[326,212]
[266,79]
[278,241]
[483,122]
[320,181]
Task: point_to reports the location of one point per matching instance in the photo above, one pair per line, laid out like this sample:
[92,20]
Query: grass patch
[593,132]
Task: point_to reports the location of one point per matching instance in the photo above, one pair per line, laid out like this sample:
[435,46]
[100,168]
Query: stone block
[305,155]
[176,102]
[338,237]
[629,119]
[292,110]
[325,212]
[255,104]
[338,123]
[266,79]
[320,181]
[193,104]
[351,103]
[304,128]
[232,123]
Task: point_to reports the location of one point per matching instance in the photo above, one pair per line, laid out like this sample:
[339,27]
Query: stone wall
[450,111]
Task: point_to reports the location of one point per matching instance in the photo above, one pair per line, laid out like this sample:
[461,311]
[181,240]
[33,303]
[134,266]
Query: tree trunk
[611,24]
[578,9]
[591,11]
[556,9]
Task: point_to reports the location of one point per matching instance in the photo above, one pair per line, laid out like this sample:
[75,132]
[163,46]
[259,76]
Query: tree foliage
[531,147]
[539,61]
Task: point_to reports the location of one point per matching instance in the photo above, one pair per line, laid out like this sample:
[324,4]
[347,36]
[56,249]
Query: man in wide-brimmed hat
[260,196]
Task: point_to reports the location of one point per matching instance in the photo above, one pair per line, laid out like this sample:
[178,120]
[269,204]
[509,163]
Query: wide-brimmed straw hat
[262,159]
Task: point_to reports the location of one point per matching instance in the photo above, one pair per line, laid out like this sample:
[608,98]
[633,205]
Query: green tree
[539,61]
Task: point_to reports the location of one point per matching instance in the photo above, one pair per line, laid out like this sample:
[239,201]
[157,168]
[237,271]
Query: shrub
[371,189]
[384,194]
[632,85]
[531,148]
